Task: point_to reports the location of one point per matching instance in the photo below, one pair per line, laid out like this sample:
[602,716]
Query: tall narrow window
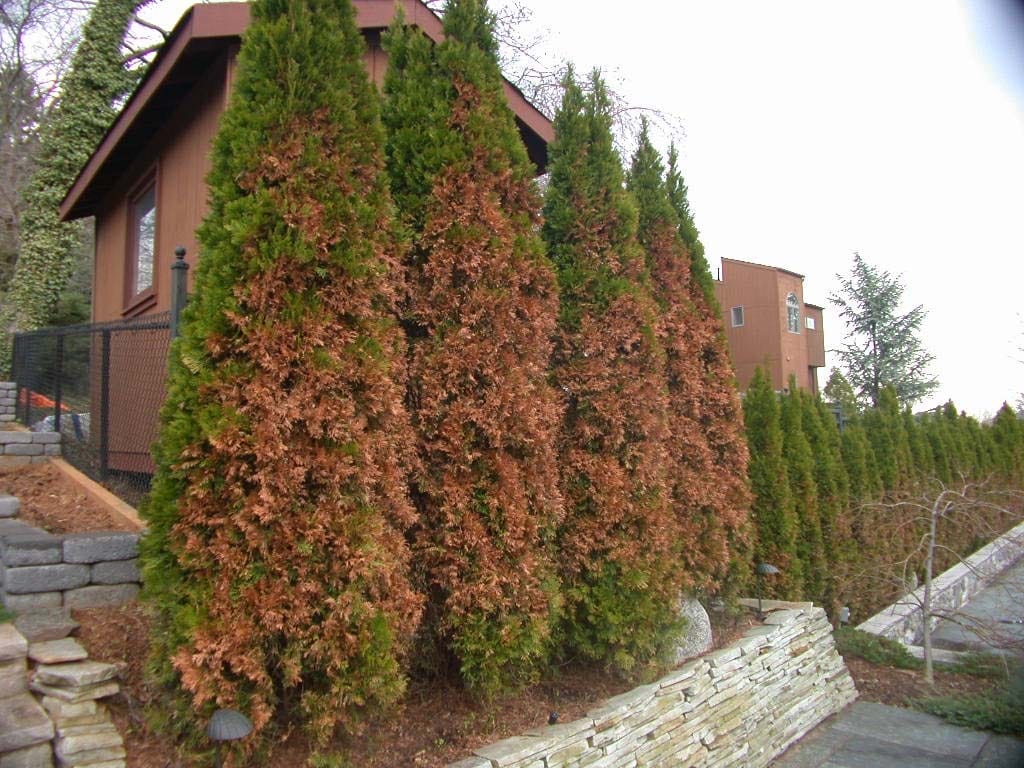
[793,313]
[737,317]
[143,245]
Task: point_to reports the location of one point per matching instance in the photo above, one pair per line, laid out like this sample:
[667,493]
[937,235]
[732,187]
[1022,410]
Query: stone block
[52,450]
[13,645]
[76,674]
[38,756]
[101,596]
[23,723]
[99,546]
[9,505]
[24,449]
[57,651]
[50,624]
[90,748]
[15,438]
[46,438]
[13,677]
[31,549]
[45,578]
[76,695]
[116,572]
[10,527]
[32,603]
[7,417]
[471,762]
[61,710]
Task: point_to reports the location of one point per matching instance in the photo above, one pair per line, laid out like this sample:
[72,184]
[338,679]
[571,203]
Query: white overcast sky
[812,129]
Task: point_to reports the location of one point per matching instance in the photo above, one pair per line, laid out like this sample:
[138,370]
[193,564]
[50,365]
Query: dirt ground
[52,501]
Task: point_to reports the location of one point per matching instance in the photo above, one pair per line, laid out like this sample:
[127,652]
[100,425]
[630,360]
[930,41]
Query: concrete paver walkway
[871,735]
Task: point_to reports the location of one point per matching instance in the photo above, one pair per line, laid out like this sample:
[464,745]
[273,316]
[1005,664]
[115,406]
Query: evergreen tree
[710,493]
[95,83]
[839,394]
[677,195]
[775,524]
[275,557]
[481,312]
[1008,436]
[922,467]
[883,347]
[796,449]
[621,568]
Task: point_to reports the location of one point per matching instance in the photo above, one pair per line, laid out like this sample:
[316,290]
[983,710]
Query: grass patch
[981,665]
[5,615]
[877,650]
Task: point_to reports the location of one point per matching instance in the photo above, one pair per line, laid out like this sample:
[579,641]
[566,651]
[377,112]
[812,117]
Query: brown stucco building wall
[756,296]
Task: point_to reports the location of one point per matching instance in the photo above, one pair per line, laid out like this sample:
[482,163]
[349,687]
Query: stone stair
[50,713]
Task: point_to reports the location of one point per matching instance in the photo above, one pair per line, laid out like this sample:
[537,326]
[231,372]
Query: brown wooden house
[768,324]
[145,182]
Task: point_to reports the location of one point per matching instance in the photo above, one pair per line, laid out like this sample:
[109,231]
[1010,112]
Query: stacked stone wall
[904,620]
[18,447]
[741,705]
[8,400]
[40,570]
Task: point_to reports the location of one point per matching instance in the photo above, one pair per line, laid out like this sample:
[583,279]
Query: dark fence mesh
[101,385]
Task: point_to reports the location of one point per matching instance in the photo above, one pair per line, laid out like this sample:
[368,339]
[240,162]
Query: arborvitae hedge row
[275,559]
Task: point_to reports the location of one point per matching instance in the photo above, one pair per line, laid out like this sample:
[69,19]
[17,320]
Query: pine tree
[481,313]
[710,493]
[94,84]
[276,560]
[772,514]
[620,564]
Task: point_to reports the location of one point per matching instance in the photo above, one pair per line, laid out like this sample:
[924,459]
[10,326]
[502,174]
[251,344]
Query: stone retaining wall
[741,705]
[40,570]
[8,400]
[904,621]
[18,447]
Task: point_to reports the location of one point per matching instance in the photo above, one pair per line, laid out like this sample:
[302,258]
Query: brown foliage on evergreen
[483,299]
[621,574]
[708,449]
[276,558]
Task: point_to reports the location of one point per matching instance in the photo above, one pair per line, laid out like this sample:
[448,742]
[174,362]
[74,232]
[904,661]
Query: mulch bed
[52,501]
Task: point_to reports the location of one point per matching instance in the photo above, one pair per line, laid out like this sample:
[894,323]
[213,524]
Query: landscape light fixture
[762,570]
[227,725]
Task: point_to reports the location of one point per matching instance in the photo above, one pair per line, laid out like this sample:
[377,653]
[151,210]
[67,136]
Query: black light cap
[228,725]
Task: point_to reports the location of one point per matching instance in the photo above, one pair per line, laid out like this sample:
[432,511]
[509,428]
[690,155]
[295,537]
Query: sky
[809,130]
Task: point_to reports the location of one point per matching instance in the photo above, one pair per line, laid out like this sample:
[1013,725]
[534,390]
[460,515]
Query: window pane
[793,313]
[145,240]
[737,316]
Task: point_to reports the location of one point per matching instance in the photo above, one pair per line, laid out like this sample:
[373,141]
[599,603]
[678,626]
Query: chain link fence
[101,386]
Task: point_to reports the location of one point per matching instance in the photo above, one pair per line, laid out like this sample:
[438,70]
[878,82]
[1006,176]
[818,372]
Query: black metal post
[58,376]
[105,405]
[179,289]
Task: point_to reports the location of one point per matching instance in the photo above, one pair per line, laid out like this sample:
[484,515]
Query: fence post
[58,376]
[105,405]
[179,289]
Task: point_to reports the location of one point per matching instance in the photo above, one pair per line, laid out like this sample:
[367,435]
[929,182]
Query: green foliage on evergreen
[803,489]
[772,512]
[275,559]
[618,545]
[95,82]
[481,312]
[677,192]
[839,394]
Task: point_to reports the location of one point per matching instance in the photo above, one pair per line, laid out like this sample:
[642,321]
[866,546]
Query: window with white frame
[143,241]
[737,317]
[809,322]
[793,313]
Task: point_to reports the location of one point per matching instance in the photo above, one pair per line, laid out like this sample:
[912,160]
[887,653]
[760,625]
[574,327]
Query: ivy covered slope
[276,559]
[622,575]
[708,449]
[481,313]
[96,81]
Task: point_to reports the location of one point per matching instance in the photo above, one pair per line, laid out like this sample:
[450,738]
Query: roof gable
[203,35]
